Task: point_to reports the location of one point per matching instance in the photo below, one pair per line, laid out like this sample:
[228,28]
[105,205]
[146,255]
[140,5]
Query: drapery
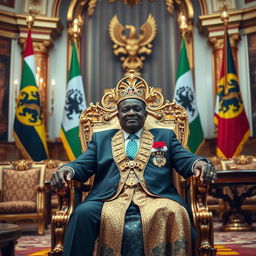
[101,69]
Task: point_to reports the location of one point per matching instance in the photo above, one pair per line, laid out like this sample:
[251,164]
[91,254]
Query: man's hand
[59,178]
[206,171]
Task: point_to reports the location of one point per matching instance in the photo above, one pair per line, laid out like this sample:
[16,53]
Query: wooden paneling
[9,151]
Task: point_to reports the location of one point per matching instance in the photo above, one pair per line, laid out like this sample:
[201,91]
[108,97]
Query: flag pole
[30,18]
[76,31]
[183,24]
[225,18]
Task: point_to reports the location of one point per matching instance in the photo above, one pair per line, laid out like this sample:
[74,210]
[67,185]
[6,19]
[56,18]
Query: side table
[9,233]
[235,219]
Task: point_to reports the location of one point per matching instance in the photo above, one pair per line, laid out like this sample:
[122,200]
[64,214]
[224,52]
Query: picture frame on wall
[8,3]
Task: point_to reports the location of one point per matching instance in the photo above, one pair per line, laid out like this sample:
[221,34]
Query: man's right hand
[60,177]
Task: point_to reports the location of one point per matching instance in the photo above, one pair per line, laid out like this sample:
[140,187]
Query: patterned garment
[132,244]
[165,226]
[165,223]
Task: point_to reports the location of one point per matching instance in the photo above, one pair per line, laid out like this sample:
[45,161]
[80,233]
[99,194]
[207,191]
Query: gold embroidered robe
[165,223]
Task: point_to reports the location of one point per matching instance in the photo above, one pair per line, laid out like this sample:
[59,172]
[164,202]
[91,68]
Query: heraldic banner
[230,116]
[75,103]
[29,129]
[184,95]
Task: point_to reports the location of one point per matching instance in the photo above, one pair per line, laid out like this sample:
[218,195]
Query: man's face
[131,115]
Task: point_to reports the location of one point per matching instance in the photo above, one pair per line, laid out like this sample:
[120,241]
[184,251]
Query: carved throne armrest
[68,199]
[203,218]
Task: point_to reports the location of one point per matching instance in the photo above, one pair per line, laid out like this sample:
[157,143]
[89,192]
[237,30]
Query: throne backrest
[161,114]
[168,115]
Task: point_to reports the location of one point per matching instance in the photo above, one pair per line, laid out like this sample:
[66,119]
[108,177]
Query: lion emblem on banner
[28,109]
[230,100]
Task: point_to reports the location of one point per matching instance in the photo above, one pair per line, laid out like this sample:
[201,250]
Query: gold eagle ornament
[132,46]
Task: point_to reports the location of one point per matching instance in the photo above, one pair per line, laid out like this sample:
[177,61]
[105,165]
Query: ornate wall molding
[44,32]
[183,8]
[14,25]
[240,22]
[78,7]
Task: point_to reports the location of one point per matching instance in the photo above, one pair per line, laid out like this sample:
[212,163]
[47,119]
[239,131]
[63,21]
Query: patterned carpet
[227,243]
[234,243]
[31,244]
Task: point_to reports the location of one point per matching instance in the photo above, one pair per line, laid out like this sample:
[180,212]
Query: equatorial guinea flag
[184,95]
[75,103]
[230,117]
[29,129]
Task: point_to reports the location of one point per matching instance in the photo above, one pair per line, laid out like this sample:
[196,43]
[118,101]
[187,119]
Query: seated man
[132,189]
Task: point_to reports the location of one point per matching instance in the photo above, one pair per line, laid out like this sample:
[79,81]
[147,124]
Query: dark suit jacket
[98,160]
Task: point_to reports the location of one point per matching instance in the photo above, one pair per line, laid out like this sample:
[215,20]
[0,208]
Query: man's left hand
[205,171]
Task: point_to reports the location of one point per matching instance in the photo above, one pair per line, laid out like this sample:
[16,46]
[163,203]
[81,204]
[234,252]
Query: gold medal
[158,158]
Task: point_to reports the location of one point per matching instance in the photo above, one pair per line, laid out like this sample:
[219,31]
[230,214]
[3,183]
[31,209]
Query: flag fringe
[66,145]
[238,149]
[220,153]
[200,146]
[20,146]
[243,141]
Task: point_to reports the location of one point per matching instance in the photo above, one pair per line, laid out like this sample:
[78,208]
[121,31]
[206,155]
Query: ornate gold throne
[161,114]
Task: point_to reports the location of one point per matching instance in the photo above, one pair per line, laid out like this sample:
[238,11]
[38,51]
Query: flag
[75,103]
[184,95]
[230,116]
[29,129]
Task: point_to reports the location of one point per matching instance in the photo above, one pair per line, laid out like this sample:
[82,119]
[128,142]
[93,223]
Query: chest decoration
[131,171]
[158,153]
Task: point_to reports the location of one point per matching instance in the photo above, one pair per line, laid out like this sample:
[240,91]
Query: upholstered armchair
[22,192]
[161,114]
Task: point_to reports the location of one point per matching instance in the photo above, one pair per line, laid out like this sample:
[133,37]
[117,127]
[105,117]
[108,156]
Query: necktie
[132,147]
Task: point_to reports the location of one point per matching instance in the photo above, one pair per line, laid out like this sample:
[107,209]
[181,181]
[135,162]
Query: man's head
[131,114]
